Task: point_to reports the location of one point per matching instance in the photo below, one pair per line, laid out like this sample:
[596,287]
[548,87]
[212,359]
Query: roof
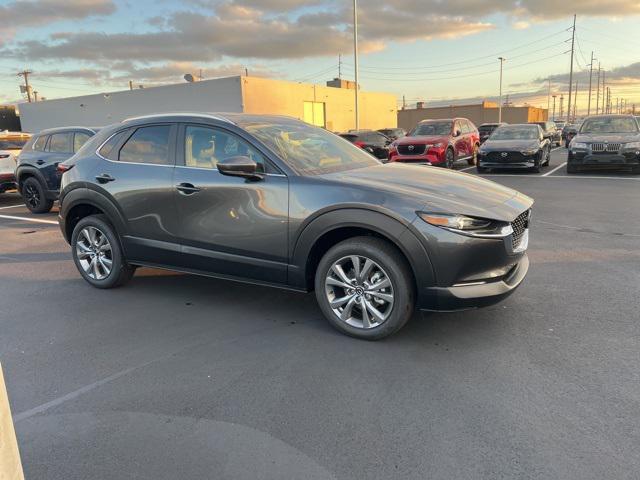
[64,129]
[220,116]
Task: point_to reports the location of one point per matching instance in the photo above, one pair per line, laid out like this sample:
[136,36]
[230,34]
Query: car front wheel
[364,288]
[97,253]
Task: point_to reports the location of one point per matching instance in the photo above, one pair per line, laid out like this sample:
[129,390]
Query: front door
[137,173]
[229,225]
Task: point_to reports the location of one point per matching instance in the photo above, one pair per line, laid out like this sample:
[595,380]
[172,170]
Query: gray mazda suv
[274,201]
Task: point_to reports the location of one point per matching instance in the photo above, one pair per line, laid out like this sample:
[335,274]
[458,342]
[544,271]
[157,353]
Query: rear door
[137,174]
[229,225]
[59,148]
[461,141]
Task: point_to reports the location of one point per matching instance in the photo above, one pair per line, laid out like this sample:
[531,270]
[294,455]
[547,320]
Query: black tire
[548,160]
[450,158]
[121,272]
[480,169]
[396,269]
[34,196]
[474,156]
[536,168]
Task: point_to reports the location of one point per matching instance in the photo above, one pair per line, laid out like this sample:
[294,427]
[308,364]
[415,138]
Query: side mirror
[240,166]
[457,133]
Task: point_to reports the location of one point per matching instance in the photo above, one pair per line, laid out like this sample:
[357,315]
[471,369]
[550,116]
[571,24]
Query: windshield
[506,133]
[431,129]
[16,144]
[609,125]
[487,128]
[310,150]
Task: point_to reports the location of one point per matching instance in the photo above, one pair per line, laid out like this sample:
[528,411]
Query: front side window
[79,139]
[206,146]
[40,143]
[147,145]
[61,143]
[432,128]
[309,150]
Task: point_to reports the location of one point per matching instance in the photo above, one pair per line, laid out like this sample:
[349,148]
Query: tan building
[325,106]
[485,112]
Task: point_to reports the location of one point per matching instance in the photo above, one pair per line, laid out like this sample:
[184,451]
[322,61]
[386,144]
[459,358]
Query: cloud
[30,13]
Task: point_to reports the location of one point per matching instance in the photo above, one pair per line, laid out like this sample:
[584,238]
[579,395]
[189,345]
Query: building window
[314,113]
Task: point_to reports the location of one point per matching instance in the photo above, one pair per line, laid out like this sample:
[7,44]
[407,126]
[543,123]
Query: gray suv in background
[274,201]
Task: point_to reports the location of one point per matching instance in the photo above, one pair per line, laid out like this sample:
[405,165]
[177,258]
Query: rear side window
[79,139]
[40,143]
[147,145]
[61,143]
[109,150]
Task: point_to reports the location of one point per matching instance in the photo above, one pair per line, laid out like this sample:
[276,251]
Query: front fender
[396,230]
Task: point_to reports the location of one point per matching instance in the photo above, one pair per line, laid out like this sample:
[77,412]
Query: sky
[436,51]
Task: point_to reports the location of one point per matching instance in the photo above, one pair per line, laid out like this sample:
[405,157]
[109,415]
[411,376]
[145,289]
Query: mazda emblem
[411,147]
[504,154]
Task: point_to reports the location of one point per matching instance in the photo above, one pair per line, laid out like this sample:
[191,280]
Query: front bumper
[7,182]
[523,162]
[431,157]
[478,294]
[583,159]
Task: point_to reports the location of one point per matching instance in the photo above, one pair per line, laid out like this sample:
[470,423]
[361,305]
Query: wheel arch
[82,202]
[25,171]
[330,228]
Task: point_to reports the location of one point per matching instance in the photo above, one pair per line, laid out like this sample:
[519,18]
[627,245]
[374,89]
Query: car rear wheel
[449,158]
[364,288]
[34,196]
[97,253]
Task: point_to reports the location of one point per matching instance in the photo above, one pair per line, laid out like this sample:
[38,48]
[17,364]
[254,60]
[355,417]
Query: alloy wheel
[32,195]
[359,292]
[94,253]
[449,158]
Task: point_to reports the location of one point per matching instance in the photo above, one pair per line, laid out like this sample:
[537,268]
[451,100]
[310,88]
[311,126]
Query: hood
[510,145]
[421,140]
[608,137]
[439,190]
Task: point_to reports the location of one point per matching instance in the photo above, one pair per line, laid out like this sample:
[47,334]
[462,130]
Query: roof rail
[176,114]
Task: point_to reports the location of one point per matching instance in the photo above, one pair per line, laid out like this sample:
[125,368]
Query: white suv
[11,144]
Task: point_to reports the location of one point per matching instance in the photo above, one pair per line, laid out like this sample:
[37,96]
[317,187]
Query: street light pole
[355,58]
[590,80]
[573,39]
[554,107]
[502,59]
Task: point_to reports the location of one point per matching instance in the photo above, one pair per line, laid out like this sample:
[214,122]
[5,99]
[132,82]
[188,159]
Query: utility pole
[590,80]
[554,107]
[27,88]
[598,91]
[355,57]
[604,92]
[575,102]
[573,39]
[35,95]
[404,102]
[562,106]
[548,98]
[340,66]
[130,84]
[502,59]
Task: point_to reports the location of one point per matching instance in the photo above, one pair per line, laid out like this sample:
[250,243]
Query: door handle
[187,188]
[104,178]
[39,162]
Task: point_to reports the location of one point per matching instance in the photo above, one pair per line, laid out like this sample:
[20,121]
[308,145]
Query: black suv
[274,201]
[375,143]
[37,170]
[551,132]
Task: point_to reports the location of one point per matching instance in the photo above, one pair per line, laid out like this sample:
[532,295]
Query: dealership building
[485,112]
[331,106]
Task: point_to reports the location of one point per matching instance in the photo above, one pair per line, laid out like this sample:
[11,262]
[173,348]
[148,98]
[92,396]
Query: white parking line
[12,206]
[467,168]
[557,168]
[27,219]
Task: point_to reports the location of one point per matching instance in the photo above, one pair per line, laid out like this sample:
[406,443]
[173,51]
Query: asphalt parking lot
[176,376]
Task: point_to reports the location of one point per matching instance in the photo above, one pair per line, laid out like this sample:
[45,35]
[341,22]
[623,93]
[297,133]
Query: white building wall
[218,95]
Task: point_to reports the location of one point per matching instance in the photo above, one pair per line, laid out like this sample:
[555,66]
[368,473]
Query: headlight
[632,145]
[528,153]
[438,145]
[578,145]
[472,226]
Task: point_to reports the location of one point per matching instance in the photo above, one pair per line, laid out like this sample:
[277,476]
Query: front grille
[519,225]
[505,157]
[411,149]
[605,147]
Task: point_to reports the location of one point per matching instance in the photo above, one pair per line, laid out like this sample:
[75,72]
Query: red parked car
[438,142]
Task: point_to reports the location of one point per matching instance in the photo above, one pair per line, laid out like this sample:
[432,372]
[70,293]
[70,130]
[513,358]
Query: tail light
[360,144]
[62,167]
